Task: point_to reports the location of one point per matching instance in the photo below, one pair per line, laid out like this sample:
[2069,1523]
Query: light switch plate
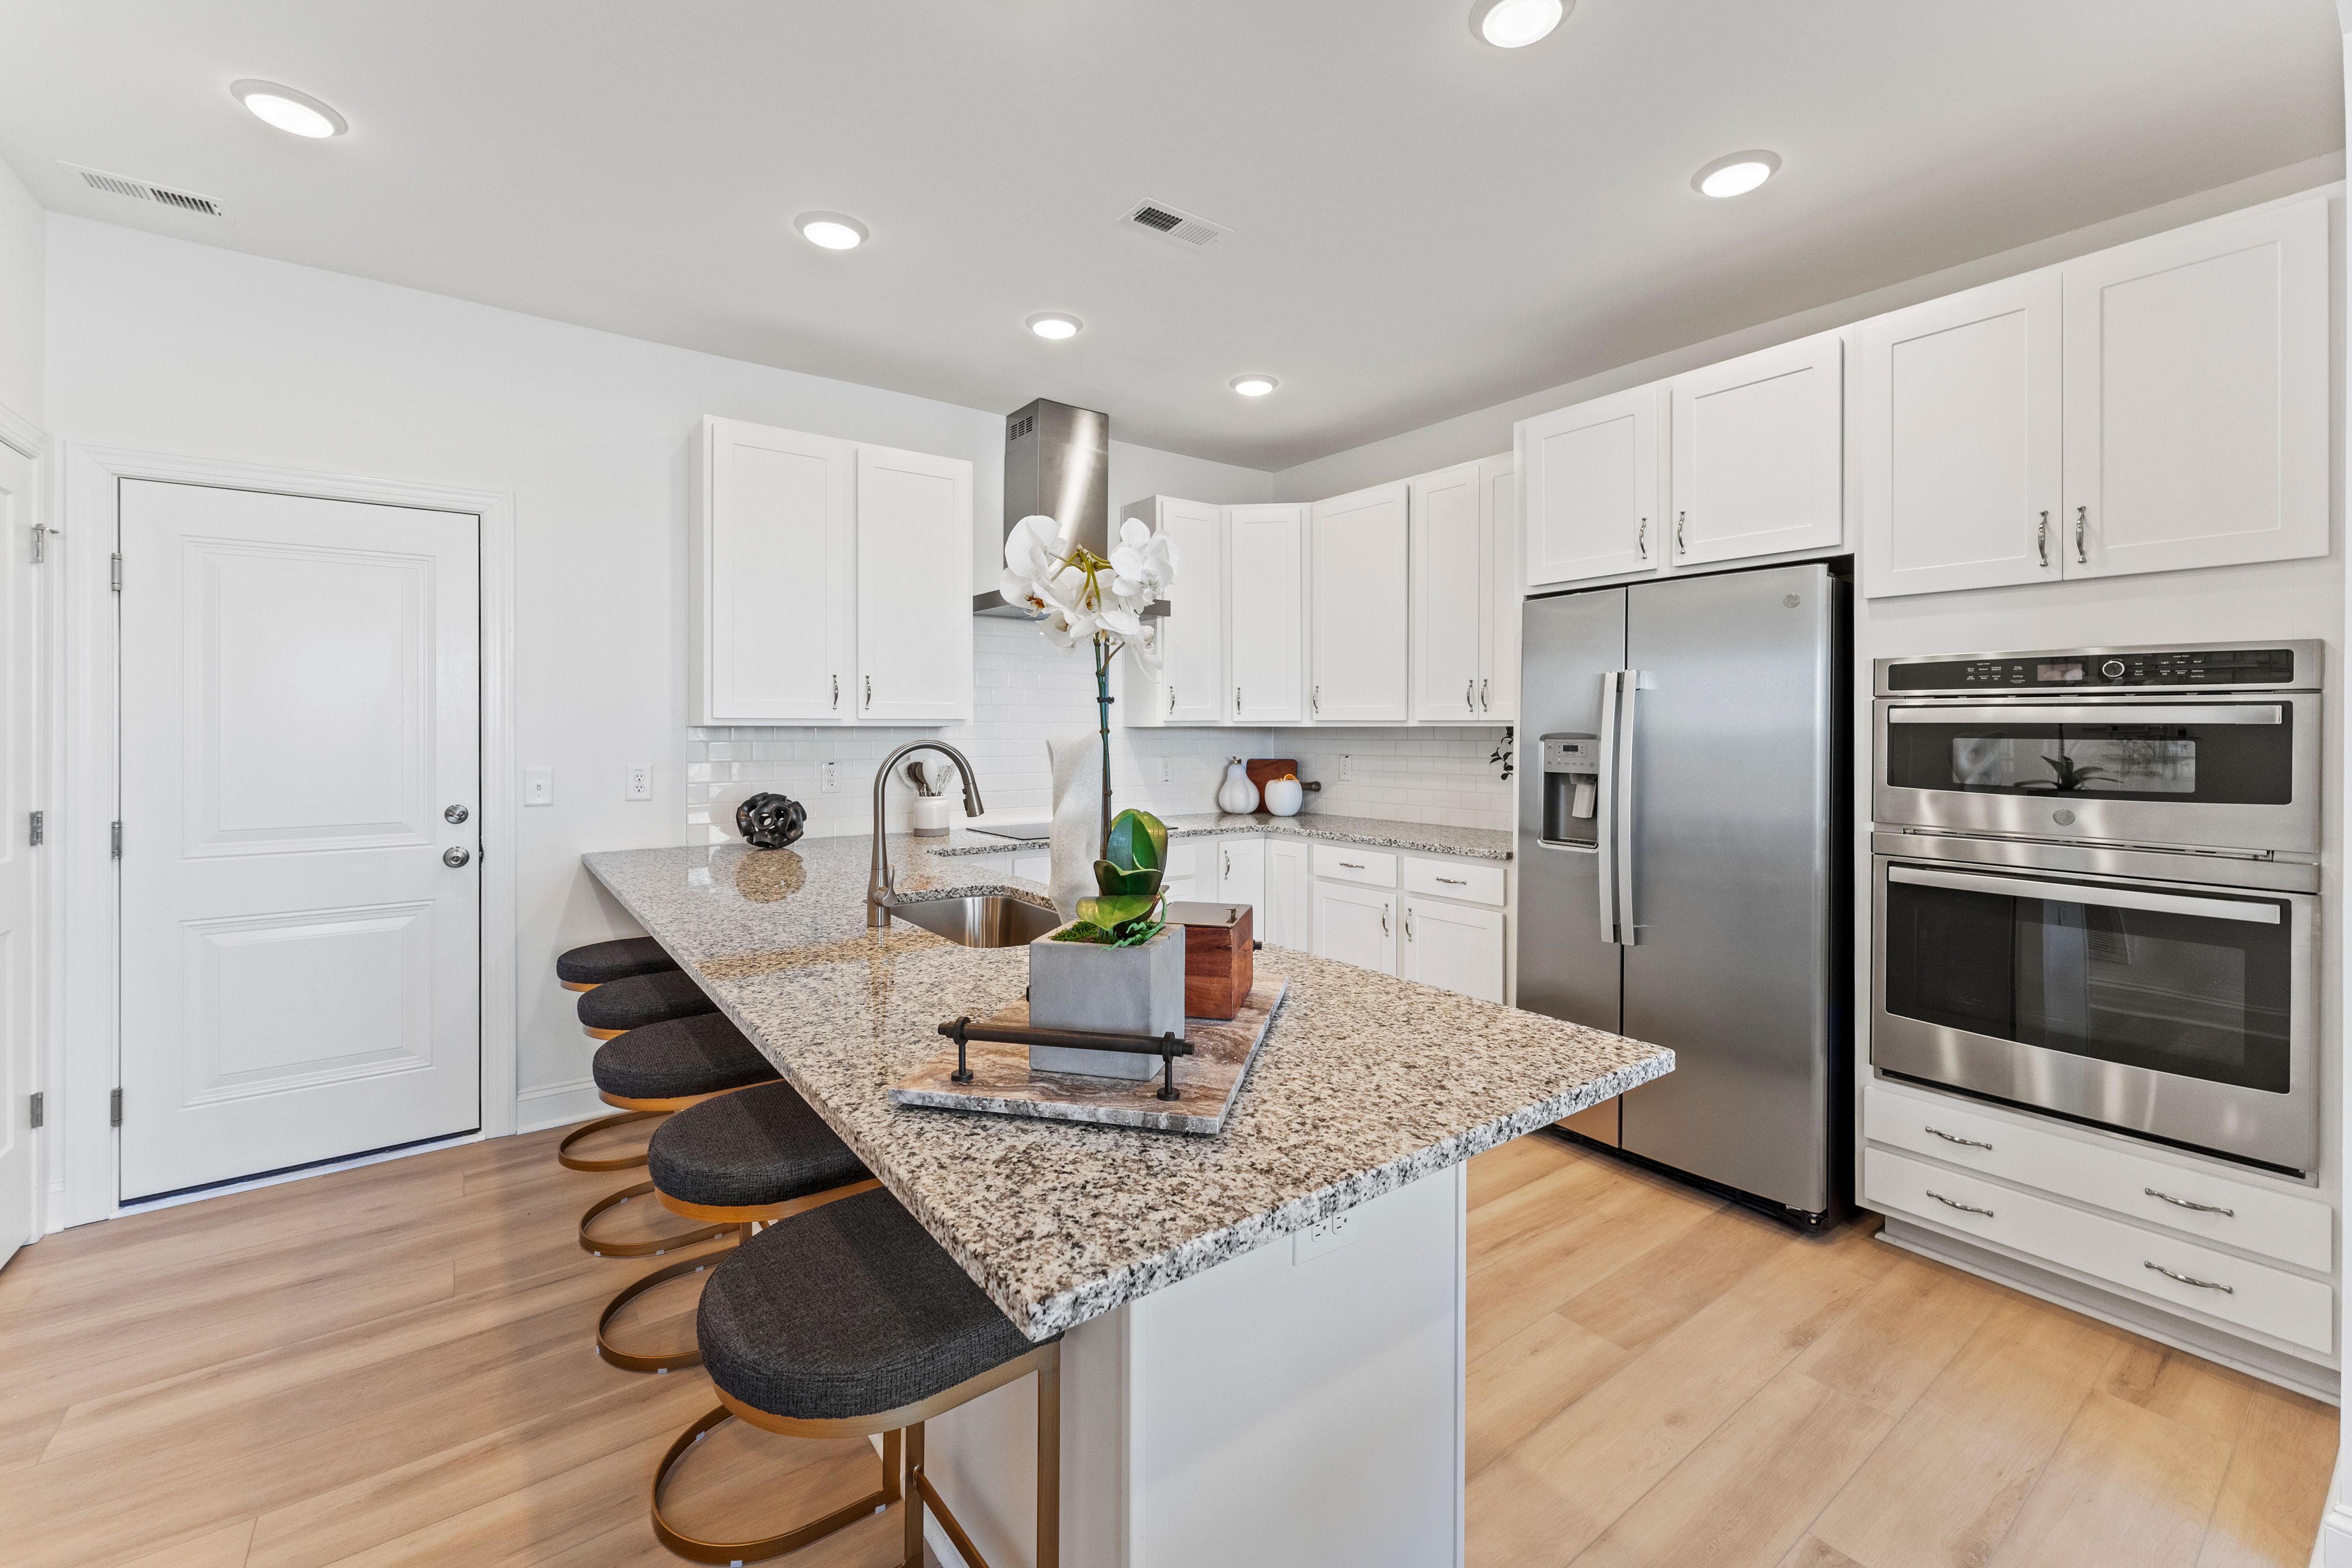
[637,782]
[539,786]
[1311,1243]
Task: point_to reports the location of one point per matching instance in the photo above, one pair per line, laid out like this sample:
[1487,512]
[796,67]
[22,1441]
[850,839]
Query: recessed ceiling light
[1515,24]
[831,231]
[1736,175]
[295,113]
[1254,386]
[1055,325]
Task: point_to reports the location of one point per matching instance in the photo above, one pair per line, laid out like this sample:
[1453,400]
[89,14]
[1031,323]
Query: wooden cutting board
[1262,768]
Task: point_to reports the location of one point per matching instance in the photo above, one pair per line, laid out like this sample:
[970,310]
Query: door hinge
[37,1117]
[114,1109]
[117,841]
[40,544]
[34,838]
[115,568]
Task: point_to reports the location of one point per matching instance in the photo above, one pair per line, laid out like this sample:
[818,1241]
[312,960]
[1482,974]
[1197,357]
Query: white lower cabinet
[1286,919]
[1356,925]
[1241,873]
[1452,947]
[1181,880]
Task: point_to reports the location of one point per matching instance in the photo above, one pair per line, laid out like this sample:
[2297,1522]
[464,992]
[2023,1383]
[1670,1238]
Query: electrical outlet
[1346,769]
[637,782]
[1168,770]
[828,778]
[1316,1239]
[539,786]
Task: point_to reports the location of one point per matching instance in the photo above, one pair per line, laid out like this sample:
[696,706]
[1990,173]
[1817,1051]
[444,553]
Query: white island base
[1298,1405]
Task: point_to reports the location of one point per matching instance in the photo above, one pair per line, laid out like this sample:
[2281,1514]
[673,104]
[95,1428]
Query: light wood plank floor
[392,1366]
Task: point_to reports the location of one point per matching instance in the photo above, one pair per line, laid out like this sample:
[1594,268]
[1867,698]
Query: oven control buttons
[2113,669]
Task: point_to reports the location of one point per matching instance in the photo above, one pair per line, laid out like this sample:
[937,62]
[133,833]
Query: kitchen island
[1264,1360]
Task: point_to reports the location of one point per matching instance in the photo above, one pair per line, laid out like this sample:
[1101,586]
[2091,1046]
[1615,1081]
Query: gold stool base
[638,1249]
[698,1550]
[571,1162]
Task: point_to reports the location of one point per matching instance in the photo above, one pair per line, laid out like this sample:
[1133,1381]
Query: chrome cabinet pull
[1453,881]
[1229,863]
[1482,695]
[1642,538]
[1680,519]
[1351,865]
[1384,931]
[1171,696]
[2041,539]
[2082,518]
[2184,1203]
[1966,1207]
[1315,701]
[1470,693]
[836,692]
[2192,1280]
[869,691]
[1965,1143]
[1407,922]
[1237,701]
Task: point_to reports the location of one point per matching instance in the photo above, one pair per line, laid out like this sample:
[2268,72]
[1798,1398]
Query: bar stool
[600,963]
[847,1321]
[616,1007]
[748,1158]
[651,1072]
[584,969]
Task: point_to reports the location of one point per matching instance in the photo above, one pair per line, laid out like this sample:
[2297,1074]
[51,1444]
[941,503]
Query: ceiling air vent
[1175,225]
[142,190]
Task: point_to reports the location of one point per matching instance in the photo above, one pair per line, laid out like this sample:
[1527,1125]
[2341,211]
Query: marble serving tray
[1206,1081]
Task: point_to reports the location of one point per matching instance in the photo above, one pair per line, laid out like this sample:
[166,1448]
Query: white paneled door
[19,1214]
[300,808]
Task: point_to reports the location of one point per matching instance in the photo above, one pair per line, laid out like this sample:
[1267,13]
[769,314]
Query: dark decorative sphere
[770,822]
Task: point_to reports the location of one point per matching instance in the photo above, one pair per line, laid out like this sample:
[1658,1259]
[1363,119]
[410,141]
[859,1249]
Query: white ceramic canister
[1237,795]
[929,816]
[1283,797]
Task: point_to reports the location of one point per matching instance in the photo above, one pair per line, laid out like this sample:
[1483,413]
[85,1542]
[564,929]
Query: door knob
[453,857]
[455,814]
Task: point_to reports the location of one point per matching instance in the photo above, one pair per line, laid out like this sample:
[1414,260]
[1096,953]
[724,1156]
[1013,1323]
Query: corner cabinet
[828,582]
[2156,407]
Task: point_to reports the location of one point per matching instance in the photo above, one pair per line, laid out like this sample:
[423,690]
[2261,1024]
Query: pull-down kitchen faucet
[881,892]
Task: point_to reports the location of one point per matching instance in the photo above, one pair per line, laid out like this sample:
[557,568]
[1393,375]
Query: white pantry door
[299,715]
[18,1173]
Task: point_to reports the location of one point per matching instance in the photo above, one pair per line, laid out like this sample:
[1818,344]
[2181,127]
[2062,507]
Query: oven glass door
[2208,754]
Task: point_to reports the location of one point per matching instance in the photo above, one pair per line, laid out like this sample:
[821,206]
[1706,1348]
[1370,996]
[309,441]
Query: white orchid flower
[1033,546]
[1146,648]
[1122,621]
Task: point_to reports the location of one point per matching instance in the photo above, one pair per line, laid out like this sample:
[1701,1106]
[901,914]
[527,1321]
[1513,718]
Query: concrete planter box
[1109,990]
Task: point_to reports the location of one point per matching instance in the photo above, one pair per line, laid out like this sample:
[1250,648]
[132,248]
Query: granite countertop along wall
[1426,838]
[1365,1083]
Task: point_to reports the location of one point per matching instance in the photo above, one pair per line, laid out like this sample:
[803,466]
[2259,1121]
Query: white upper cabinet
[1498,565]
[1266,575]
[914,588]
[772,524]
[1450,609]
[1959,423]
[1358,566]
[1759,454]
[1589,481]
[1191,685]
[2197,396]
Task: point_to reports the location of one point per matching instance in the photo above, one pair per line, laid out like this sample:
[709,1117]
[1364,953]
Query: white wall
[23,271]
[161,345]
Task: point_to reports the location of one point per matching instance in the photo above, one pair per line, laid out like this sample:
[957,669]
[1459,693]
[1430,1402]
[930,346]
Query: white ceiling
[1422,224]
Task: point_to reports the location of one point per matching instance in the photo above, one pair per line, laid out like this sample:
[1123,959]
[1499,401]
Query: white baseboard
[558,1105]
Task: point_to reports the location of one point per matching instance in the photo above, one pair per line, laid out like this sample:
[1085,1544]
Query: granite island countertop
[1365,1083]
[1374,833]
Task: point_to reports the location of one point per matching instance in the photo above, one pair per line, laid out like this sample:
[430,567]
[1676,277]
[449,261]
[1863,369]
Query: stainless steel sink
[990,920]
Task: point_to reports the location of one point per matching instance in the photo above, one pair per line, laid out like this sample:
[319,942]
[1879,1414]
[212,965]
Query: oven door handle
[2252,914]
[2116,712]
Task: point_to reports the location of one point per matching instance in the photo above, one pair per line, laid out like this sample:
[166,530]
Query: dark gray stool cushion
[848,1309]
[667,1060]
[600,963]
[761,1145]
[641,1000]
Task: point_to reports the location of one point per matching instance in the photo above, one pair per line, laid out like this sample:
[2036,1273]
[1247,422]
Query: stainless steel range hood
[1057,463]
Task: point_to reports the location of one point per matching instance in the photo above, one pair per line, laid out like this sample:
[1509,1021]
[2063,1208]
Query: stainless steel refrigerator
[1681,855]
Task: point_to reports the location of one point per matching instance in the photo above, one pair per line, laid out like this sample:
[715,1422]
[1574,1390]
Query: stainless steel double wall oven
[2096,877]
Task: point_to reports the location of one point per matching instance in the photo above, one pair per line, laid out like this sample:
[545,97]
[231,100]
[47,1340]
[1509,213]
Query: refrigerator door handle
[1629,689]
[1604,810]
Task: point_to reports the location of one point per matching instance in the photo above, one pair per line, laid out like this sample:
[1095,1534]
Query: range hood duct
[1057,463]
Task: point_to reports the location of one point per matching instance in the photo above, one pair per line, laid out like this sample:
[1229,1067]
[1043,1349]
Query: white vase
[929,820]
[1237,795]
[1283,797]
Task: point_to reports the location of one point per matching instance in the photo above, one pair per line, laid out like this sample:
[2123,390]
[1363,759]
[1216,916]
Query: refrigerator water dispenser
[1572,788]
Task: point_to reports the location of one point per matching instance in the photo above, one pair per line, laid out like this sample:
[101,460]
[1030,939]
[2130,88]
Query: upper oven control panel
[2205,666]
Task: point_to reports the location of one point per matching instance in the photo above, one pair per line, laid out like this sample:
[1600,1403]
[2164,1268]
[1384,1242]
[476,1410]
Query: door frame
[23,436]
[85,908]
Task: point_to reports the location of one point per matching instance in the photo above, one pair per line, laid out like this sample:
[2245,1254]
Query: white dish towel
[1077,840]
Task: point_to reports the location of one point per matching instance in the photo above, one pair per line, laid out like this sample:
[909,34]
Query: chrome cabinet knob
[453,857]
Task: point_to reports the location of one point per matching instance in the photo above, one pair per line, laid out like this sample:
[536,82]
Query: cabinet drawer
[1455,879]
[2239,1214]
[2251,1295]
[1345,862]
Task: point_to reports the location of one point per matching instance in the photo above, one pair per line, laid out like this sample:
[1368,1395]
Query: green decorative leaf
[1113,883]
[1113,912]
[1136,933]
[1139,841]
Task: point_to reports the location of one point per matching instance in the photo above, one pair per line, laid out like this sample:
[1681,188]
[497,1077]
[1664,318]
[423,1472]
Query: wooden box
[1217,946]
